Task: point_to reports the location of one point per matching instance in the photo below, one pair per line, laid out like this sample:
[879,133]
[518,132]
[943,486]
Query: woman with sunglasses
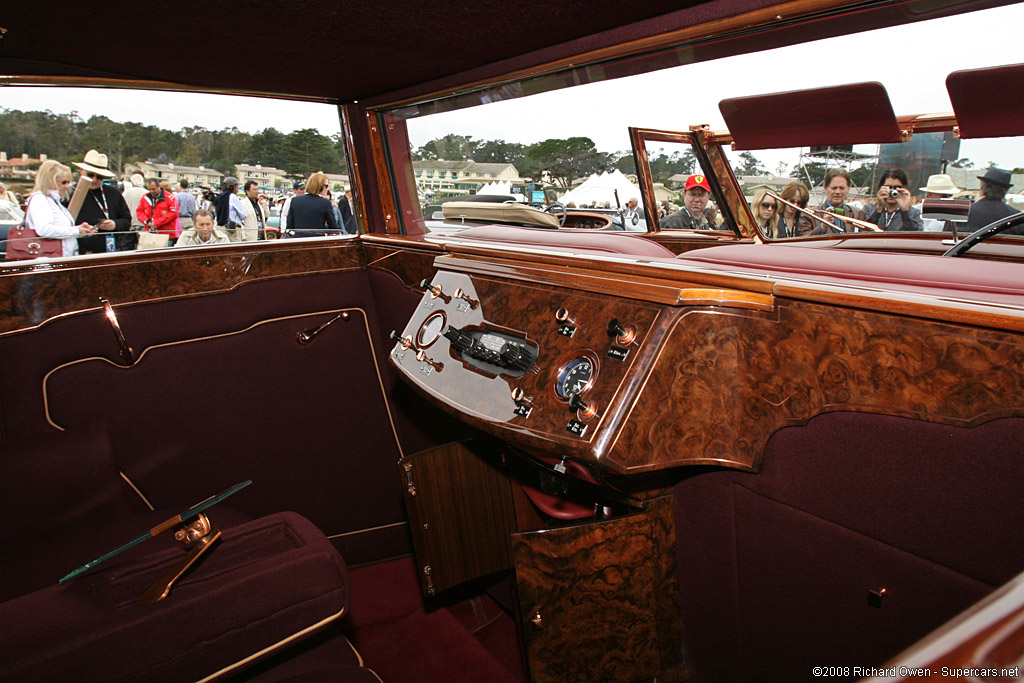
[766,209]
[789,218]
[46,215]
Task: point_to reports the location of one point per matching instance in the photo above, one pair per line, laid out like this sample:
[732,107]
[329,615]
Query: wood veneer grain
[726,381]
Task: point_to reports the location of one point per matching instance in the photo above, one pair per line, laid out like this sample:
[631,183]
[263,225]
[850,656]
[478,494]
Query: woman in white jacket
[46,215]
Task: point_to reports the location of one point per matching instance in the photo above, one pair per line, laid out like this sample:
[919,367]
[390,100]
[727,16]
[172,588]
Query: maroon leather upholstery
[775,568]
[263,583]
[993,281]
[575,240]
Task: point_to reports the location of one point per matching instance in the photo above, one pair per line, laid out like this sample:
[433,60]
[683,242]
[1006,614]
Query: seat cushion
[265,585]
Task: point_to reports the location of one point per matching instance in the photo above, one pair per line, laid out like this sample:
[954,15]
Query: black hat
[997,176]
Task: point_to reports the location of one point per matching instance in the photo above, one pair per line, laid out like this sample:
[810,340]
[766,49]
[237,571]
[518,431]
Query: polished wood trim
[743,375]
[460,513]
[382,169]
[965,311]
[638,137]
[582,624]
[989,635]
[36,294]
[411,266]
[624,279]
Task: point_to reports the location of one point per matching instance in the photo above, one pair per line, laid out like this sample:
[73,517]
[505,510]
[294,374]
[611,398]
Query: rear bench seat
[266,584]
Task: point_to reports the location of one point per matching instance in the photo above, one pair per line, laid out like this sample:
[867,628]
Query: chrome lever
[306,336]
[126,351]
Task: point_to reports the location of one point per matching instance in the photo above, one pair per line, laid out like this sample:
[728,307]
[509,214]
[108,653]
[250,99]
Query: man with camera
[895,211]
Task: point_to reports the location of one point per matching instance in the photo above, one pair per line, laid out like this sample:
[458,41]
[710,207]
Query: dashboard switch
[435,291]
[624,334]
[459,294]
[422,357]
[583,408]
[404,342]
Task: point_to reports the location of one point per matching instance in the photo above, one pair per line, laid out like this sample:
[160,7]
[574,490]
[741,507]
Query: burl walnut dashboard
[546,367]
[641,374]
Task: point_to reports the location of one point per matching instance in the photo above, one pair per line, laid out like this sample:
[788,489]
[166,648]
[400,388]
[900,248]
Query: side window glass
[143,165]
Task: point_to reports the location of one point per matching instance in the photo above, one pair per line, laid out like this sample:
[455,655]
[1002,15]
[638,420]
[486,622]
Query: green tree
[501,152]
[268,147]
[568,159]
[451,147]
[750,165]
[307,151]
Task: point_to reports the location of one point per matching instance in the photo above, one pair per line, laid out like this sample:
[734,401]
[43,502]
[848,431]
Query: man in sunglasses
[105,208]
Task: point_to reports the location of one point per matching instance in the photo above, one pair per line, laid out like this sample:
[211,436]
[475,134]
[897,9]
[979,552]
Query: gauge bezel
[563,366]
[421,341]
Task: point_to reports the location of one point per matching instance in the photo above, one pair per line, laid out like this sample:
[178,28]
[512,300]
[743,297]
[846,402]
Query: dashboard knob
[435,291]
[624,334]
[422,357]
[562,315]
[580,405]
[471,302]
[519,396]
[406,342]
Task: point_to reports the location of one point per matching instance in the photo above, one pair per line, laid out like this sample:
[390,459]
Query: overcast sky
[911,61]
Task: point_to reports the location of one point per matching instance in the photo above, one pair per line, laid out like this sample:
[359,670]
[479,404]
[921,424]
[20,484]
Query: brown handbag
[24,243]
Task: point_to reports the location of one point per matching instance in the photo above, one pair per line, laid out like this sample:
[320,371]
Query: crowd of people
[894,209]
[150,213]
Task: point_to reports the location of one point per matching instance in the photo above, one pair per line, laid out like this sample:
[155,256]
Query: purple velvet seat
[267,584]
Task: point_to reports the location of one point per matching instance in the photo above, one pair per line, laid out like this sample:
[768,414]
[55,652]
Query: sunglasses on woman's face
[767,205]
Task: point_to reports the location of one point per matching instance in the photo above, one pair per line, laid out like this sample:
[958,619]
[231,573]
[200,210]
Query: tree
[451,147]
[962,163]
[566,160]
[501,152]
[268,147]
[307,151]
[750,165]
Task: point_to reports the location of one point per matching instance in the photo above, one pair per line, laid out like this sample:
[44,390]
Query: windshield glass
[542,148]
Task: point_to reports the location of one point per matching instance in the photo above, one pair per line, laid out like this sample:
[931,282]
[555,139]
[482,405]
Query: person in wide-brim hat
[95,163]
[940,184]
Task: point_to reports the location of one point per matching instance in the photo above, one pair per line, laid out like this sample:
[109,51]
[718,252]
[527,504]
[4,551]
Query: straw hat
[95,163]
[940,184]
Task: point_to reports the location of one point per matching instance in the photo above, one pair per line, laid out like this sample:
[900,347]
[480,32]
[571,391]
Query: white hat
[940,184]
[95,163]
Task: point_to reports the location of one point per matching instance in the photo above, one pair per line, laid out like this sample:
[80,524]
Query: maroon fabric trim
[988,102]
[842,115]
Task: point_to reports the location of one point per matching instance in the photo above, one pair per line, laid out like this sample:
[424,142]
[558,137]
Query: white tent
[602,188]
[496,187]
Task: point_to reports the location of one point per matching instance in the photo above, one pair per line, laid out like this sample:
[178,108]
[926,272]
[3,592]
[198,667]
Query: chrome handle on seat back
[126,351]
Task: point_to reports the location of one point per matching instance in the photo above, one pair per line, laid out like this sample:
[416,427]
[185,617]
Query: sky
[912,62]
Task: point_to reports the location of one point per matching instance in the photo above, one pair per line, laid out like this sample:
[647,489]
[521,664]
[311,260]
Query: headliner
[376,52]
[335,51]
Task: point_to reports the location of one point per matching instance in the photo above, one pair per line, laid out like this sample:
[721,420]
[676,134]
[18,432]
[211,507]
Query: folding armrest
[267,584]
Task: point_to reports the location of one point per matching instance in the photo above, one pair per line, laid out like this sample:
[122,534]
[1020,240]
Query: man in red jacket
[158,210]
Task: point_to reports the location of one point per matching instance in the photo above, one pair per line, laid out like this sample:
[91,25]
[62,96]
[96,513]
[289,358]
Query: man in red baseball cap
[695,200]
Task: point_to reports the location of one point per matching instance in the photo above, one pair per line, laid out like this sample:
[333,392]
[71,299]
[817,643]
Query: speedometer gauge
[575,377]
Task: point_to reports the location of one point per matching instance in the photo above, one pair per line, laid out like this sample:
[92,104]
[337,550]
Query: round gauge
[575,377]
[430,330]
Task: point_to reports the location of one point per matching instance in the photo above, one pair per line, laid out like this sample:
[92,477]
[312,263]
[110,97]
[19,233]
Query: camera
[893,193]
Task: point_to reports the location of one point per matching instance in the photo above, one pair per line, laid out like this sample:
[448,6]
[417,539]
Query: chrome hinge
[408,479]
[430,582]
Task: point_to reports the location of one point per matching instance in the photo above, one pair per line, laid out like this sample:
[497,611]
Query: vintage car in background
[515,450]
[11,216]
